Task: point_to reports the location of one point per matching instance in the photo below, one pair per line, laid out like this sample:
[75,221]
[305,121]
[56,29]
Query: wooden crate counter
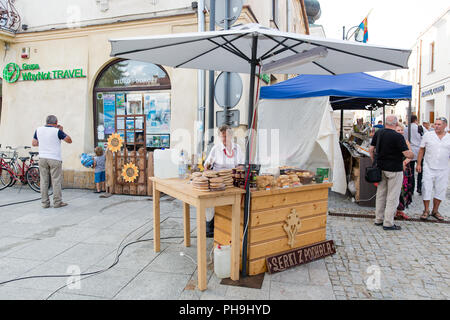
[182,190]
[268,215]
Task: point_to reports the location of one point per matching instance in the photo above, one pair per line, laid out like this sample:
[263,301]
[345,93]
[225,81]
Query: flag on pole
[362,33]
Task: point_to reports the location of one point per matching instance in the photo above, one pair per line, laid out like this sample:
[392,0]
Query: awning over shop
[347,91]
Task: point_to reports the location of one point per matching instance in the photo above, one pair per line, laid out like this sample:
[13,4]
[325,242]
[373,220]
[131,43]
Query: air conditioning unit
[25,53]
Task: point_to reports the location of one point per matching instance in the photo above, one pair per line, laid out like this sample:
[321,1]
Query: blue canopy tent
[351,91]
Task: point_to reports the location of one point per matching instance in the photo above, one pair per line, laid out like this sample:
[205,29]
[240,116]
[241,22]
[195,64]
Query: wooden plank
[109,168]
[150,173]
[156,221]
[260,218]
[274,201]
[280,245]
[225,211]
[225,224]
[269,232]
[142,186]
[201,247]
[133,185]
[306,187]
[187,224]
[126,185]
[257,266]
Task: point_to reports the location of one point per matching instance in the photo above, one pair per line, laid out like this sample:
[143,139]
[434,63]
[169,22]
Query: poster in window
[165,141]
[130,137]
[157,141]
[120,103]
[130,124]
[134,103]
[109,111]
[157,111]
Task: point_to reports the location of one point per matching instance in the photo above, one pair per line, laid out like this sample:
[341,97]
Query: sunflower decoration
[115,142]
[130,172]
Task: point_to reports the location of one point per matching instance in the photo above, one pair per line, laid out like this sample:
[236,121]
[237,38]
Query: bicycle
[26,171]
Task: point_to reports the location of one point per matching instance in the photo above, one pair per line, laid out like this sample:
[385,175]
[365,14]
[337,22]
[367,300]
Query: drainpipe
[201,75]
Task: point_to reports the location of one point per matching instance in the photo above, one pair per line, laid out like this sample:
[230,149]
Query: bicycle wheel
[5,178]
[34,178]
[16,171]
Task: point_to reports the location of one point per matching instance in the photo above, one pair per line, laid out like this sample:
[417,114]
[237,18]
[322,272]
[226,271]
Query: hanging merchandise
[115,142]
[130,172]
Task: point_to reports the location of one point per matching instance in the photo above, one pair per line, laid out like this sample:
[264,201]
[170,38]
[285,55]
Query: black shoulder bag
[373,174]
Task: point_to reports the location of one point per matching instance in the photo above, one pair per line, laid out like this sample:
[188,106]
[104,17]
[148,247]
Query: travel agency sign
[30,72]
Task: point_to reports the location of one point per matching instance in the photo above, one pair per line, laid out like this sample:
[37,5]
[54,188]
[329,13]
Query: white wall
[45,14]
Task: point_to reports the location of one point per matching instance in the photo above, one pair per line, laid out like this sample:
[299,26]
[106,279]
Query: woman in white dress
[224,155]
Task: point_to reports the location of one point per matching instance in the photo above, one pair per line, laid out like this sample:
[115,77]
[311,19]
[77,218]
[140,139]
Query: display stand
[131,128]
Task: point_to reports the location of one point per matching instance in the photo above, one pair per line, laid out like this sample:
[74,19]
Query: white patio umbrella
[244,47]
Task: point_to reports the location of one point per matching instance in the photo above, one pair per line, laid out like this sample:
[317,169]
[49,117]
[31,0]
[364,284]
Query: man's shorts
[437,179]
[100,177]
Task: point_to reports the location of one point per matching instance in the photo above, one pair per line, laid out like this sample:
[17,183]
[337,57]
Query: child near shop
[99,166]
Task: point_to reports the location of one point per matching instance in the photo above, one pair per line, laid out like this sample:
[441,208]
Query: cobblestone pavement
[413,263]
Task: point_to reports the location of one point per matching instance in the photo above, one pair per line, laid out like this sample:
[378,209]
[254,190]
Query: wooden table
[183,191]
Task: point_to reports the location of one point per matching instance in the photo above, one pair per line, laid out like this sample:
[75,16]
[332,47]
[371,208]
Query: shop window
[127,87]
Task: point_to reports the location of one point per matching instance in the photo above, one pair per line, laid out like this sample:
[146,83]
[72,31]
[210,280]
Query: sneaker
[394,227]
[59,205]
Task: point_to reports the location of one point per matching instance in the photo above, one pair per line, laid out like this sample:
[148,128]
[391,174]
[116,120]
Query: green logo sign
[11,72]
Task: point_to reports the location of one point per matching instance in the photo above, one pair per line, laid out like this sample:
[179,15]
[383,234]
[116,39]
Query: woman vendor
[224,155]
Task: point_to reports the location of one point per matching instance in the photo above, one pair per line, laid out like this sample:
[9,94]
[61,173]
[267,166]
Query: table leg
[156,219]
[201,247]
[235,241]
[187,224]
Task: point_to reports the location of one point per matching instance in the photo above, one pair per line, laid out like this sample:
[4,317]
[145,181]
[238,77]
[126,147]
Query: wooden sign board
[289,259]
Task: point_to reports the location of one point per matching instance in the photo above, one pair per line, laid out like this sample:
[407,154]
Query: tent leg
[409,120]
[384,115]
[341,136]
[251,100]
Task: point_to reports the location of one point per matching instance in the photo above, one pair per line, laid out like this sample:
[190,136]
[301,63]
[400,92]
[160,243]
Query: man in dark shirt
[391,150]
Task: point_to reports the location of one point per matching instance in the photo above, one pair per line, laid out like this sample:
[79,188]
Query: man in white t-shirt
[48,139]
[436,146]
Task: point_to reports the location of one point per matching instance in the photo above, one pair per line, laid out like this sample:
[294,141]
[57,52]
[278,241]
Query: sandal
[425,215]
[402,215]
[437,216]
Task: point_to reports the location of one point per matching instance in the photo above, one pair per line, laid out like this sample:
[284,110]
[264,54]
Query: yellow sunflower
[115,142]
[130,172]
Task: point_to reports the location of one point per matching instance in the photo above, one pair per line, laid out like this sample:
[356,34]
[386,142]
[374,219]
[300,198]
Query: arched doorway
[127,87]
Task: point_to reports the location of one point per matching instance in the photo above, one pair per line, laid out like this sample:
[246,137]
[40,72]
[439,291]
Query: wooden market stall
[272,214]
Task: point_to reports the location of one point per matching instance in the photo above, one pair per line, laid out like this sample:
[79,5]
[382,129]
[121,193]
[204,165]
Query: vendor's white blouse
[220,161]
[437,151]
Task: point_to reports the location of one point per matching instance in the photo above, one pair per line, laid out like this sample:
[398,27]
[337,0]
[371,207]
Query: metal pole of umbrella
[212,18]
[384,116]
[341,136]
[227,74]
[251,99]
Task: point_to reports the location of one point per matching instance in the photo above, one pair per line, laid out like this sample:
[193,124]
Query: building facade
[58,62]
[432,79]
